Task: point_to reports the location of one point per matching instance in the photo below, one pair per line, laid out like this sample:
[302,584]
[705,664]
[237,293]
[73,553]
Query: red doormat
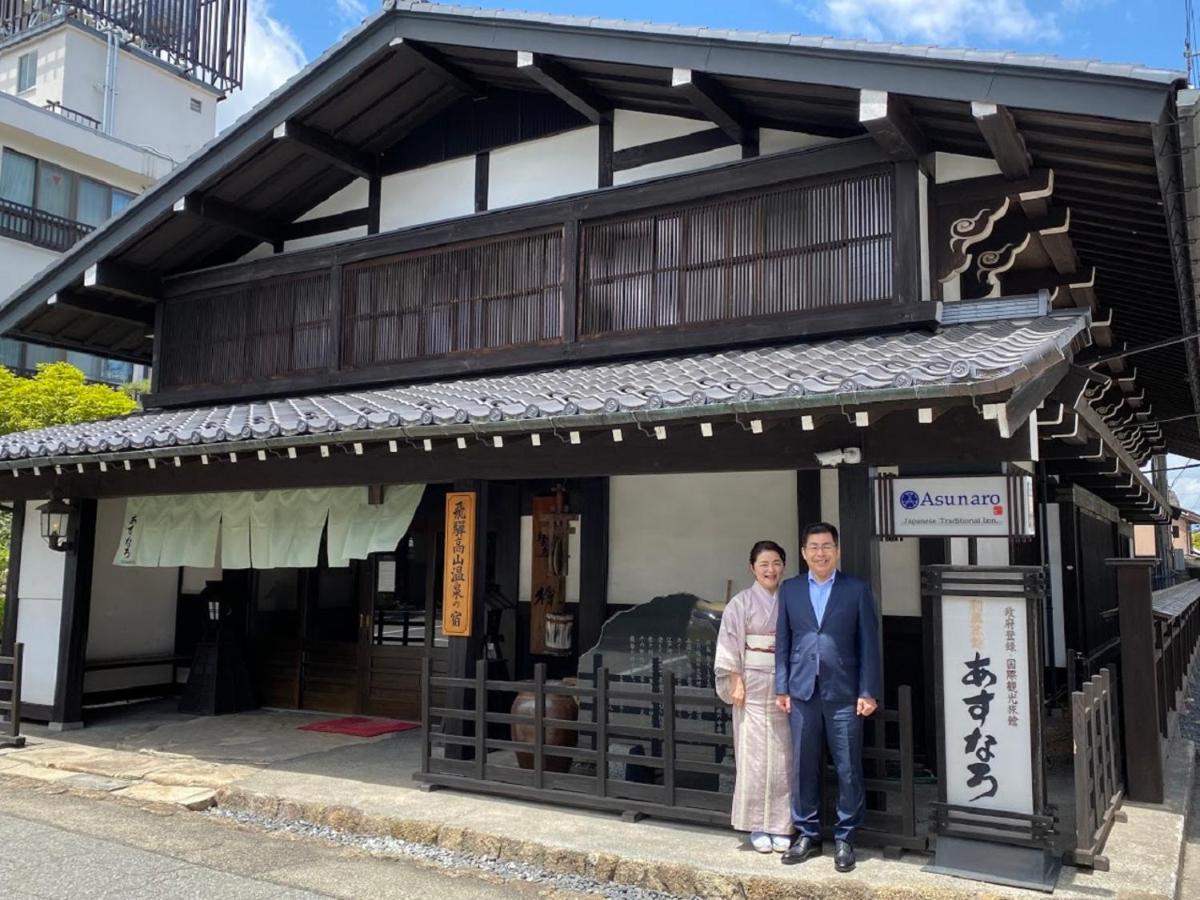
[358,726]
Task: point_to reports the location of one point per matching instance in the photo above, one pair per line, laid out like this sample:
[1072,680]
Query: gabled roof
[396,84]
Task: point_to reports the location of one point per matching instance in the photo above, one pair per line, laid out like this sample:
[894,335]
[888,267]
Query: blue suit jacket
[843,647]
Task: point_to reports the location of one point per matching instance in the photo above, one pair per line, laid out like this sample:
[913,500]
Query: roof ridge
[1044,61]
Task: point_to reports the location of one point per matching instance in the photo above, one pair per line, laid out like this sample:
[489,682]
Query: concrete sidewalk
[260,763]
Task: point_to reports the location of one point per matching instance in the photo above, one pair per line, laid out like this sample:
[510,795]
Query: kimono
[762,740]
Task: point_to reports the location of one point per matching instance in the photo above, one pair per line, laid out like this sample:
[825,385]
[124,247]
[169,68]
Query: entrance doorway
[351,639]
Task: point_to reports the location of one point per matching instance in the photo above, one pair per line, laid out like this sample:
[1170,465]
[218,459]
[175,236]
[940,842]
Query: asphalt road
[59,846]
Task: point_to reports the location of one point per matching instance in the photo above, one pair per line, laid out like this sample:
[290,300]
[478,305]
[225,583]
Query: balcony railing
[24,223]
[73,115]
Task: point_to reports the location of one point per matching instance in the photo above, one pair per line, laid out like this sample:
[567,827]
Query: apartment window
[26,71]
[197,106]
[53,189]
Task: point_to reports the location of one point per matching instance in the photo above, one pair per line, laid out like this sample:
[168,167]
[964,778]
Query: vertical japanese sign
[987,703]
[459,574]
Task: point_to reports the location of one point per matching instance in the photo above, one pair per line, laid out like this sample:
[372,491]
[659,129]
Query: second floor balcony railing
[73,115]
[24,223]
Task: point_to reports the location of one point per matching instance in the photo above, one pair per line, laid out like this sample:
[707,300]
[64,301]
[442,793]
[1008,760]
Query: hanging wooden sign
[549,623]
[459,573]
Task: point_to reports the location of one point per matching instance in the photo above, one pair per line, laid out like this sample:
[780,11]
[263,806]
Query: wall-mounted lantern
[56,524]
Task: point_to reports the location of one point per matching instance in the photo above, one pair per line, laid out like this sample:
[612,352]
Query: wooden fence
[673,762]
[1099,780]
[1175,640]
[11,687]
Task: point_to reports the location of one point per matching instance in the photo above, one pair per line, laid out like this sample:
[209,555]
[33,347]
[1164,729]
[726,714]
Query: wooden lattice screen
[252,331]
[793,249]
[500,292]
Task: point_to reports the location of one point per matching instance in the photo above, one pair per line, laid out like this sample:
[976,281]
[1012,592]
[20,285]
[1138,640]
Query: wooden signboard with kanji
[459,580]
[548,583]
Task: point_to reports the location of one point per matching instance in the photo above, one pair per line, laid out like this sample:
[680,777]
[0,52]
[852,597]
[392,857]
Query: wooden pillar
[593,561]
[906,259]
[1139,682]
[932,552]
[12,601]
[860,547]
[67,712]
[374,203]
[604,177]
[482,176]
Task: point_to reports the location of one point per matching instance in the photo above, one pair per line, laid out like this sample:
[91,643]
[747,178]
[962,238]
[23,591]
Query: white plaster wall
[352,196]
[39,614]
[956,167]
[51,51]
[441,191]
[538,170]
[19,262]
[152,105]
[693,533]
[633,128]
[132,611]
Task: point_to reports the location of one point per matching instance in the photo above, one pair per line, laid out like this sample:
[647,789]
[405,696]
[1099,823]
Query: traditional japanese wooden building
[631,286]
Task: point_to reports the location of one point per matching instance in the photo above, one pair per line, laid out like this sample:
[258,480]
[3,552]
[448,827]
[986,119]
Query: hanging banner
[459,572]
[955,506]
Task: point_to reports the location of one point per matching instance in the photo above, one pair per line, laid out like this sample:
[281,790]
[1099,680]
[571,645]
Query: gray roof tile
[966,358]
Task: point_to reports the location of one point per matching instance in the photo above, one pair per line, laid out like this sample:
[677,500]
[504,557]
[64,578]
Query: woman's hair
[763,547]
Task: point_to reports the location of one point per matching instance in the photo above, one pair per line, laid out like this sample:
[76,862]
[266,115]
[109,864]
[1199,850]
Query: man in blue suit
[827,679]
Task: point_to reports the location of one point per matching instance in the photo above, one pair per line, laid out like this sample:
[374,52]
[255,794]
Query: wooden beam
[671,148]
[1066,289]
[1039,184]
[434,61]
[482,173]
[999,130]
[708,98]
[125,281]
[230,217]
[1055,239]
[564,84]
[331,224]
[322,146]
[887,119]
[116,309]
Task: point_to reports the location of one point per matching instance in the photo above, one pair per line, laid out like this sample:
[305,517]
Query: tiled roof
[963,359]
[815,42]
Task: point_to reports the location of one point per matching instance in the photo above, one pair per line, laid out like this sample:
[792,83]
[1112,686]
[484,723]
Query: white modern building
[94,109]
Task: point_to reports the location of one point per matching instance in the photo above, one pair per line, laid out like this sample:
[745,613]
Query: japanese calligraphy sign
[459,572]
[987,702]
[956,506]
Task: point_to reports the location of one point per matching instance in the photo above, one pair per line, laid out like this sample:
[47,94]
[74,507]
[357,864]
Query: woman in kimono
[745,678]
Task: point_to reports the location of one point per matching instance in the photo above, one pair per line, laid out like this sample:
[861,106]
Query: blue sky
[283,35]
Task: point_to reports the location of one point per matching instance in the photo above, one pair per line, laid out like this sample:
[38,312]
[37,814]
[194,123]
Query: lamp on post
[56,524]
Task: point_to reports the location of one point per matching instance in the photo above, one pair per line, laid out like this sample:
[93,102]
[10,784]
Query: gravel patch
[440,856]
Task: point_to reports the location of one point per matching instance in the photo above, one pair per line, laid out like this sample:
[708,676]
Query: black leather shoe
[802,848]
[843,856]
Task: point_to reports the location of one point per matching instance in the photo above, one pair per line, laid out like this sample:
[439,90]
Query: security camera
[830,457]
[851,456]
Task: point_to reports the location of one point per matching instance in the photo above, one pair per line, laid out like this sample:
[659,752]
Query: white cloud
[273,55]
[352,9]
[933,21]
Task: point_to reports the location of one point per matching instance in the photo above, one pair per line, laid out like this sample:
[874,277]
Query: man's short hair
[819,528]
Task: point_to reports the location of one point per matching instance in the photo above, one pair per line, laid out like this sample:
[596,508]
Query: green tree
[57,395]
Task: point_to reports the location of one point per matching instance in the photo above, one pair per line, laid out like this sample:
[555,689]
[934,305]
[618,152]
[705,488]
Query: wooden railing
[637,269]
[635,749]
[24,223]
[10,687]
[1175,640]
[1099,777]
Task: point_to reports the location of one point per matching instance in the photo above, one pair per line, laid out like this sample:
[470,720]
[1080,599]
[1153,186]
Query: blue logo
[910,500]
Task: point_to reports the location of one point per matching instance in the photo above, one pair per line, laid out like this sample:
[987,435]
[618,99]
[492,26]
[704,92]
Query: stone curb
[672,878]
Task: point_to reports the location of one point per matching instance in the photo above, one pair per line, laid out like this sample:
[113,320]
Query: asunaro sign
[955,506]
